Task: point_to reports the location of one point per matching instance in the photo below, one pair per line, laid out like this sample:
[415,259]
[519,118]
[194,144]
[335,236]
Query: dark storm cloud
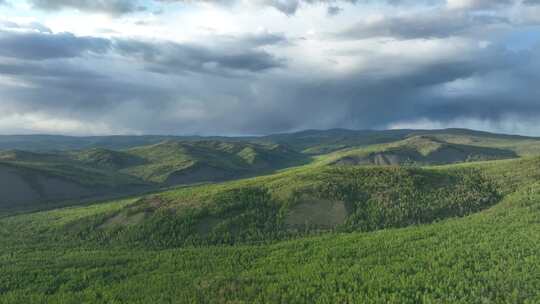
[114,7]
[433,24]
[54,75]
[363,100]
[36,70]
[230,54]
[186,88]
[42,45]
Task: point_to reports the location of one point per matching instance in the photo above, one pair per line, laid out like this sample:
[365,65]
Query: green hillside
[318,142]
[44,185]
[99,170]
[452,216]
[313,142]
[417,150]
[51,143]
[180,162]
[36,180]
[107,159]
[466,233]
[294,203]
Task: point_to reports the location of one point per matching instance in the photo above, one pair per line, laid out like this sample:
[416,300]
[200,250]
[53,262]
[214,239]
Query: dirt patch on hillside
[386,159]
[380,159]
[124,219]
[443,155]
[316,213]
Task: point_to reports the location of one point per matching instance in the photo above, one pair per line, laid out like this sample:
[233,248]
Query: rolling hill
[318,142]
[312,142]
[32,178]
[458,233]
[294,203]
[180,162]
[417,150]
[32,185]
[52,170]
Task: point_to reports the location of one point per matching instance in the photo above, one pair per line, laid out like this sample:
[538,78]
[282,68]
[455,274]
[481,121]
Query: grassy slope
[522,147]
[283,206]
[488,257]
[319,142]
[73,166]
[65,143]
[101,171]
[232,159]
[155,163]
[47,185]
[416,150]
[311,141]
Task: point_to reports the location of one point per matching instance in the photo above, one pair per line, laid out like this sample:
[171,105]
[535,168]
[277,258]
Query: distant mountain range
[309,141]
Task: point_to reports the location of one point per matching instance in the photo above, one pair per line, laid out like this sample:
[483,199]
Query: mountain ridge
[43,142]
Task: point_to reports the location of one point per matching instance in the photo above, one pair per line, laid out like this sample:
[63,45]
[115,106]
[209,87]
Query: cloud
[290,7]
[478,4]
[167,57]
[225,54]
[484,84]
[116,82]
[31,26]
[442,67]
[113,7]
[430,24]
[333,10]
[230,54]
[43,45]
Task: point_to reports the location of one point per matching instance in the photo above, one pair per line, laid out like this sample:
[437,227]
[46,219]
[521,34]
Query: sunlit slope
[180,162]
[416,150]
[290,204]
[307,200]
[489,257]
[318,142]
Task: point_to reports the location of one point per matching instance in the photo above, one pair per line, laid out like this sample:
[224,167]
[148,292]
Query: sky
[254,67]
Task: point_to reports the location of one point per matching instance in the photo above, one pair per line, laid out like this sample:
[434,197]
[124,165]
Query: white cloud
[32,123]
[477,4]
